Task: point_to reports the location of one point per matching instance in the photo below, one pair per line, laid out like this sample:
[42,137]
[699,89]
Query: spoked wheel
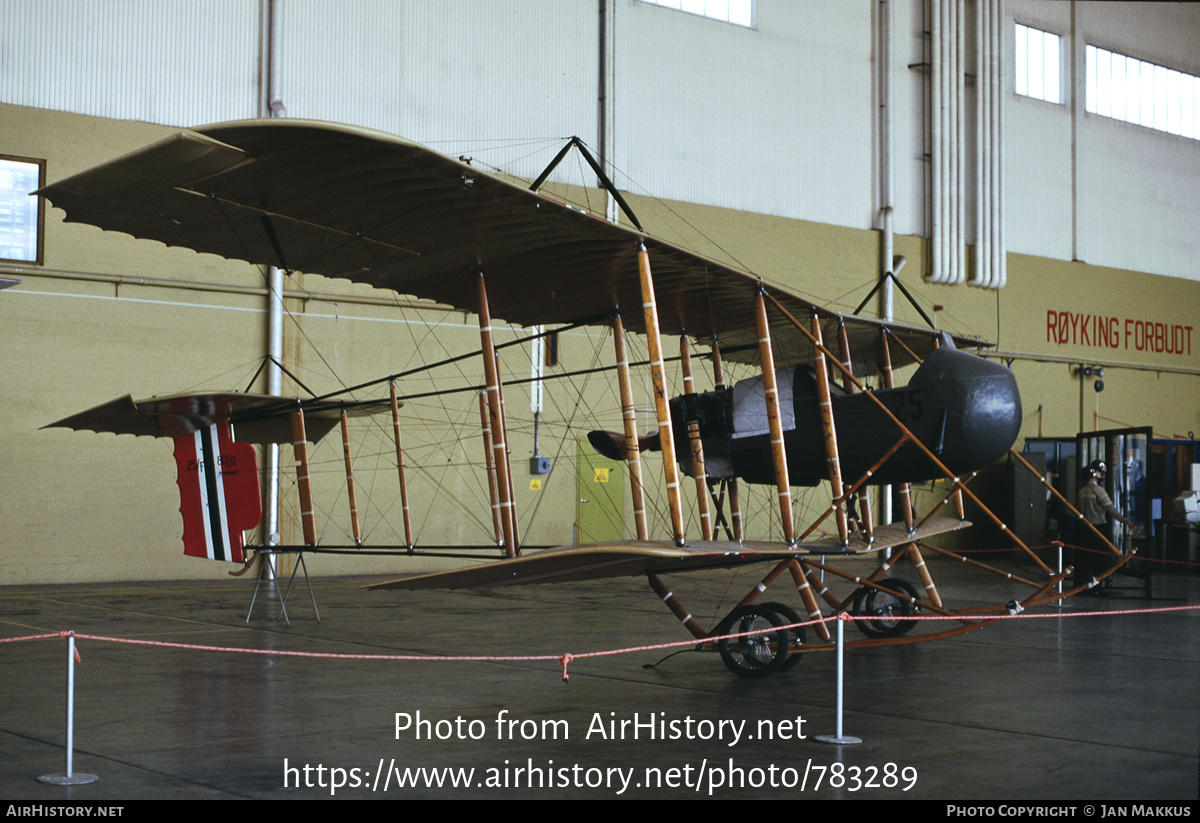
[878,611]
[795,637]
[757,655]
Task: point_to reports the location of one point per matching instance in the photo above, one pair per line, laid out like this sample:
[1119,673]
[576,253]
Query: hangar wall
[782,180]
[1087,187]
[671,94]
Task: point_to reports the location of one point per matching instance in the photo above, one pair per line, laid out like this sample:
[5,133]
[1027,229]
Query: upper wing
[368,207]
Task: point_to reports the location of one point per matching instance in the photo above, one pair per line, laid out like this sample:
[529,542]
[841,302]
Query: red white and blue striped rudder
[219,495]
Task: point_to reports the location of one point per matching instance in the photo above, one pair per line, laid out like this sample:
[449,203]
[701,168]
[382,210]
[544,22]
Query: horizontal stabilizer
[634,558]
[259,418]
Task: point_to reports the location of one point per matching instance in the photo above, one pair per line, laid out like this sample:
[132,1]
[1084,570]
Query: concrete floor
[1091,708]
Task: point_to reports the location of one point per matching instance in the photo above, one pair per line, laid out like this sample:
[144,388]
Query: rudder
[219,494]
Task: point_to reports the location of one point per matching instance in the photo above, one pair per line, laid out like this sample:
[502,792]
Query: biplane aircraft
[371,208]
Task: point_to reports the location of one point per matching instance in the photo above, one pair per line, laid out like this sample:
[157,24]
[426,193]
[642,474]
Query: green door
[599,496]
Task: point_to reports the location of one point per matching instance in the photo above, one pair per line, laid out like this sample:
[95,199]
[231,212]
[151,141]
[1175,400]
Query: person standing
[1096,506]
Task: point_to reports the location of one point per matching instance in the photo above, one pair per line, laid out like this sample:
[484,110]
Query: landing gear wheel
[877,611]
[757,655]
[795,636]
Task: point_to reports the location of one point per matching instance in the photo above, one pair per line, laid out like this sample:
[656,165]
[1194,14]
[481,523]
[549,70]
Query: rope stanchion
[839,737]
[69,777]
[1058,545]
[564,658]
[1014,611]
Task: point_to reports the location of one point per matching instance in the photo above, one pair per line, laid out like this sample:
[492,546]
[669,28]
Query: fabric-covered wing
[371,208]
[625,558]
[258,418]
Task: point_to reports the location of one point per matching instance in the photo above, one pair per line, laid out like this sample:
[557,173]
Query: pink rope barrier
[566,658]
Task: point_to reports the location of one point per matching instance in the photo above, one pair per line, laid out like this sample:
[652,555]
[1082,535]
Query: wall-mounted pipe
[946,174]
[948,190]
[887,159]
[981,276]
[887,162]
[960,131]
[990,254]
[996,160]
[269,105]
[937,148]
[957,192]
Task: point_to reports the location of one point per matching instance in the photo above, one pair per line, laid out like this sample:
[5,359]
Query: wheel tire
[755,656]
[877,610]
[796,635]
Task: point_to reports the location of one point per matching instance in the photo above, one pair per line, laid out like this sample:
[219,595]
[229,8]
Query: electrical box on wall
[539,465]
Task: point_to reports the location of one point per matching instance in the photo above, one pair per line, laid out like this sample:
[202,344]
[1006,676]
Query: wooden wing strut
[831,449]
[696,445]
[408,533]
[661,406]
[496,418]
[308,519]
[735,499]
[771,394]
[629,416]
[355,526]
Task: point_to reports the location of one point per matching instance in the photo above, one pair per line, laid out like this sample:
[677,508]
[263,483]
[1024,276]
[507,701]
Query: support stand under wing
[300,566]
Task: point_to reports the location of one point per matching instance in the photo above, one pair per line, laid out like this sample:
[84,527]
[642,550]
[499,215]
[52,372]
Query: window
[1135,91]
[1038,64]
[20,214]
[738,12]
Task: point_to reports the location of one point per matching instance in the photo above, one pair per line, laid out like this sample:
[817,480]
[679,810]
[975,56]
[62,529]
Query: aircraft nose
[986,404]
[993,413]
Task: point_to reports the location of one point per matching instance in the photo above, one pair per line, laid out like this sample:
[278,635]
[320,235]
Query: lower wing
[633,558]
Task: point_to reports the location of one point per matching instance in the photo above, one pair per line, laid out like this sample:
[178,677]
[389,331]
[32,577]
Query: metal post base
[77,779]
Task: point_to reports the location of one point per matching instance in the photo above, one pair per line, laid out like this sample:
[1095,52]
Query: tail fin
[219,494]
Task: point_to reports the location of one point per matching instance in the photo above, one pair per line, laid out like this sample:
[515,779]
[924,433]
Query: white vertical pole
[1059,587]
[271,105]
[839,738]
[70,704]
[70,778]
[841,673]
